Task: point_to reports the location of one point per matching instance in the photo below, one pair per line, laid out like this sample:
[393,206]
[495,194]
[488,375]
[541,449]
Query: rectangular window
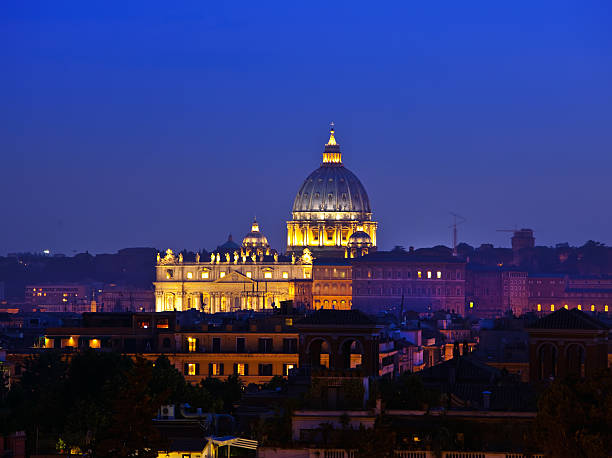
[267,274]
[204,275]
[221,274]
[438,274]
[290,346]
[249,274]
[265,369]
[144,324]
[419,274]
[162,323]
[191,369]
[429,274]
[189,275]
[215,368]
[240,345]
[241,369]
[216,345]
[287,368]
[265,345]
[192,344]
[285,275]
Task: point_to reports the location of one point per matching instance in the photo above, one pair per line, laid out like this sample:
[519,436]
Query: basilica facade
[331,218]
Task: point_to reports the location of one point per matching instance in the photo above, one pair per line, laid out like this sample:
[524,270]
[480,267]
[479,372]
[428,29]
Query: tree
[575,418]
[407,392]
[131,432]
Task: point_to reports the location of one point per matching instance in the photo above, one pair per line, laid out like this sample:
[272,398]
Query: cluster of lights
[429,274]
[565,306]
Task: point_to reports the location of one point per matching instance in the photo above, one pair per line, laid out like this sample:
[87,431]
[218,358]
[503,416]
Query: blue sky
[156,124]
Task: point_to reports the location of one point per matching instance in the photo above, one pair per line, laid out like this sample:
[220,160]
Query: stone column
[159,301]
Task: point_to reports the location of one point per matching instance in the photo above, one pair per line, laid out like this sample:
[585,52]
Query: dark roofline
[568,319]
[388,256]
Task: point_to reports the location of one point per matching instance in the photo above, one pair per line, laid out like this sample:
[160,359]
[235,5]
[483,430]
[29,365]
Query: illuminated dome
[359,239]
[330,206]
[255,239]
[332,188]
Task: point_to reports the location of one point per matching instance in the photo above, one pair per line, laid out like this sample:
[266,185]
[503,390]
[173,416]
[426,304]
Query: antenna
[457,220]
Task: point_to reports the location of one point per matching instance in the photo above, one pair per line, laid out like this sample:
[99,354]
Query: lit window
[438,274]
[552,307]
[240,369]
[249,274]
[204,275]
[191,369]
[222,274]
[288,367]
[471,304]
[605,308]
[268,275]
[429,274]
[189,275]
[94,343]
[579,307]
[419,274]
[191,343]
[539,307]
[565,307]
[285,274]
[592,308]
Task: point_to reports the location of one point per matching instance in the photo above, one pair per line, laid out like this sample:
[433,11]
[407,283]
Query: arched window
[547,359]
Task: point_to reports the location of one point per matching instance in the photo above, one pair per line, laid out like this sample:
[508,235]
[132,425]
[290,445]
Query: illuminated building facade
[332,284]
[331,206]
[245,280]
[551,292]
[385,280]
[493,291]
[255,350]
[75,298]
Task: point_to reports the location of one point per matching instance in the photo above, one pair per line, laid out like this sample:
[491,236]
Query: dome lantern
[332,154]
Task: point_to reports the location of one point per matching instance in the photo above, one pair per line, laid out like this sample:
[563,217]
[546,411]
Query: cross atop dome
[332,153]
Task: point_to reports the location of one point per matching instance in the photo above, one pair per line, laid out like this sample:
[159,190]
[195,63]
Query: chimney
[486,400]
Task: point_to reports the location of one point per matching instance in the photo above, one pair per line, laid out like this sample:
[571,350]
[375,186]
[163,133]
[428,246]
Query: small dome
[228,247]
[359,239]
[255,239]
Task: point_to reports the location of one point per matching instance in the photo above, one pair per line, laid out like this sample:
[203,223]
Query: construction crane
[457,220]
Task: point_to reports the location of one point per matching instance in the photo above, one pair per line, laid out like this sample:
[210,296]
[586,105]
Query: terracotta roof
[341,317]
[569,319]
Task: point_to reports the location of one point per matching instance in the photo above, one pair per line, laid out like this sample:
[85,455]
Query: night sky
[171,124]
